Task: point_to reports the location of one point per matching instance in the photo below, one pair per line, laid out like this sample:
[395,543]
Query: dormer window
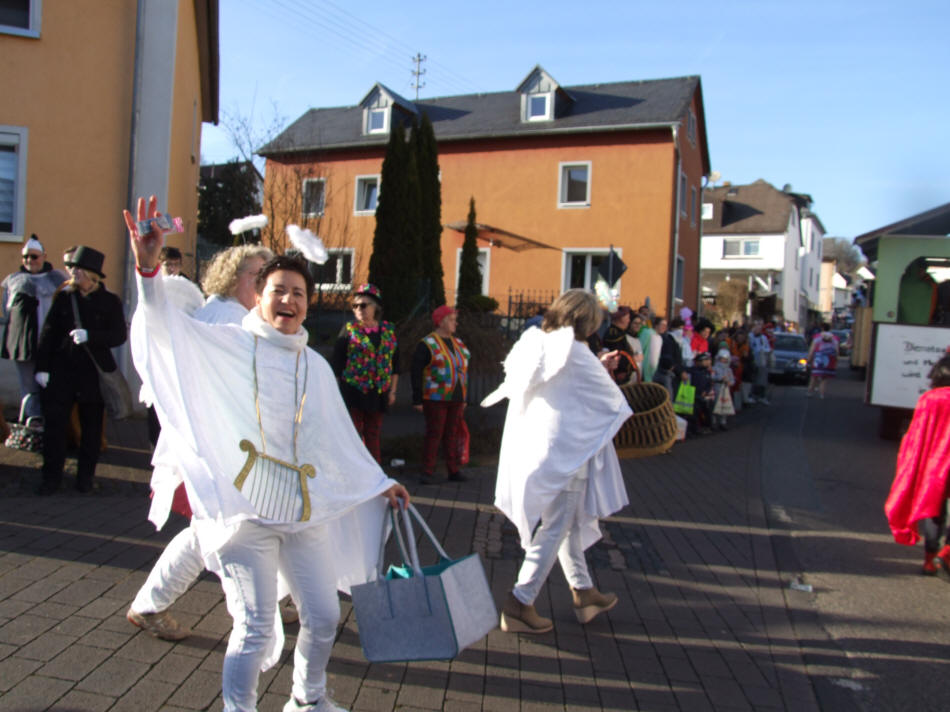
[381,107]
[542,98]
[377,121]
[539,107]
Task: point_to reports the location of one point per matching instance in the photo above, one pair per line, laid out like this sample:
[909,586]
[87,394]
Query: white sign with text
[903,357]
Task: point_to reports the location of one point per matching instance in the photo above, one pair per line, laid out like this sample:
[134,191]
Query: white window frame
[358,194]
[340,285]
[36,14]
[589,271]
[562,169]
[742,242]
[692,206]
[368,119]
[548,106]
[486,251]
[18,137]
[707,211]
[303,197]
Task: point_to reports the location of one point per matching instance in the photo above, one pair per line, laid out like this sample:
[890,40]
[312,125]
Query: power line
[350,21]
[353,35]
[342,11]
[346,37]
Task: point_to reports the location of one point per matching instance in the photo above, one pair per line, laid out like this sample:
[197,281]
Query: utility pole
[418,72]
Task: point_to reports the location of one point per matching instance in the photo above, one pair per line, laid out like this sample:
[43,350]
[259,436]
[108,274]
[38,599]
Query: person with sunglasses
[28,294]
[366,364]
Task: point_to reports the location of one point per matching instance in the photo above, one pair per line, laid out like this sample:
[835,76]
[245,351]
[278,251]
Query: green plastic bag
[685,399]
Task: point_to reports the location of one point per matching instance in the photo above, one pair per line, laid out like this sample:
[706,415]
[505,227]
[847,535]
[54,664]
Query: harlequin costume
[919,490]
[440,385]
[366,360]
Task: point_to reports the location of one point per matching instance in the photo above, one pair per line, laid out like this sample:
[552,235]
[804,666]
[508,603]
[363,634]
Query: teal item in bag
[422,613]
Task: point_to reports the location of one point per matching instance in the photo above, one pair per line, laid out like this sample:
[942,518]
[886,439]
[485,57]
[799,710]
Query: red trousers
[368,426]
[443,421]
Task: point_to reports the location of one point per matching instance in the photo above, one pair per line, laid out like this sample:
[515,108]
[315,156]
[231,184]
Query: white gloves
[42,377]
[80,336]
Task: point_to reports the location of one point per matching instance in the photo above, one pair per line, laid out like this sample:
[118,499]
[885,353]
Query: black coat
[671,350]
[72,373]
[22,329]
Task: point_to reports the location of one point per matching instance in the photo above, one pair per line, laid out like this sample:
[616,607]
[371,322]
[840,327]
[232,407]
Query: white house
[768,238]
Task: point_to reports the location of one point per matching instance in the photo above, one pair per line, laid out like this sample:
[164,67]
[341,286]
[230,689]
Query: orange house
[559,176]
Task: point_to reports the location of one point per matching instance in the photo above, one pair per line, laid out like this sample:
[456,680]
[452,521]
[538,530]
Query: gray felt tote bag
[414,612]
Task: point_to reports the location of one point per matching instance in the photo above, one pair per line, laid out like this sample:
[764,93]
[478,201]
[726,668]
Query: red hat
[440,313]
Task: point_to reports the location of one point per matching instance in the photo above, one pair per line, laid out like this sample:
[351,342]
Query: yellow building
[102,101]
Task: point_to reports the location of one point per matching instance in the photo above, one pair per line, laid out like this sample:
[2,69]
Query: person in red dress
[917,503]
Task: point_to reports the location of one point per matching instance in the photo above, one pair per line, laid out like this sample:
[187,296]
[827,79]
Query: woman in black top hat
[65,370]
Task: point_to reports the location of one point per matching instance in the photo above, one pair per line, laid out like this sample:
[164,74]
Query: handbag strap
[428,532]
[408,551]
[72,298]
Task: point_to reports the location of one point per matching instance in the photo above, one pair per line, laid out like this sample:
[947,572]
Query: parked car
[844,340]
[790,358]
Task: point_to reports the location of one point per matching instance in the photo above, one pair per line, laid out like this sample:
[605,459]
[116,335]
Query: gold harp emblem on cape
[274,484]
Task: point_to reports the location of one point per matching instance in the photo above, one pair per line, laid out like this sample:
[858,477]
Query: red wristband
[148,274]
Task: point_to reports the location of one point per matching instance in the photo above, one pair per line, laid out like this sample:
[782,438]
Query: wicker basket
[651,430]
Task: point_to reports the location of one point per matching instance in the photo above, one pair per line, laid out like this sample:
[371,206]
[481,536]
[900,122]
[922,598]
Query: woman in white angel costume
[277,477]
[557,464]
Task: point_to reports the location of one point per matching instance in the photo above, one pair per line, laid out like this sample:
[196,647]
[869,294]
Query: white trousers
[558,537]
[176,569]
[250,561]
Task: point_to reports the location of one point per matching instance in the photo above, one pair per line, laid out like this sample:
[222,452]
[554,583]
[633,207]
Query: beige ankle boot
[516,617]
[589,602]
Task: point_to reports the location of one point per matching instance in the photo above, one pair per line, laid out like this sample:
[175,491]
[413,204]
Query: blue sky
[847,101]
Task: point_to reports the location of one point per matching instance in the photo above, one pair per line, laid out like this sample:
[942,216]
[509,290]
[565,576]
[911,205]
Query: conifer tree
[394,264]
[470,274]
[430,209]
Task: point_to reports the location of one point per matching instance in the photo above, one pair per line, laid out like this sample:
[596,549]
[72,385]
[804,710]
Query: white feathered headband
[251,222]
[309,244]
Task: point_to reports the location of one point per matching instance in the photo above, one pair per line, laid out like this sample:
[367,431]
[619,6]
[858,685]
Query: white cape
[202,379]
[563,411]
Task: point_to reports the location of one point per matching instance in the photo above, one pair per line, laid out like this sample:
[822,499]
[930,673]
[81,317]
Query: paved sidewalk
[705,620]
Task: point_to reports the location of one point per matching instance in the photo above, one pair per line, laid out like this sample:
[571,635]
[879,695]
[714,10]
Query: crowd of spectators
[724,368]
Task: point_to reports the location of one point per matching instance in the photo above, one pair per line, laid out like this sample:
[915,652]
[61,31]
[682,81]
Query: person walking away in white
[557,464]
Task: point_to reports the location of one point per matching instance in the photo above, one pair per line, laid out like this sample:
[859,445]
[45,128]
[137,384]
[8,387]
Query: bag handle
[428,532]
[92,358]
[410,553]
[26,399]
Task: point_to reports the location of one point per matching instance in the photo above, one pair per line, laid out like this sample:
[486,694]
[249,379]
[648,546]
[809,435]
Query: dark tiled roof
[755,209]
[935,221]
[596,107]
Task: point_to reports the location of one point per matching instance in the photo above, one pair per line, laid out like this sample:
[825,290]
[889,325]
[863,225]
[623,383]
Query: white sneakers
[324,705]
